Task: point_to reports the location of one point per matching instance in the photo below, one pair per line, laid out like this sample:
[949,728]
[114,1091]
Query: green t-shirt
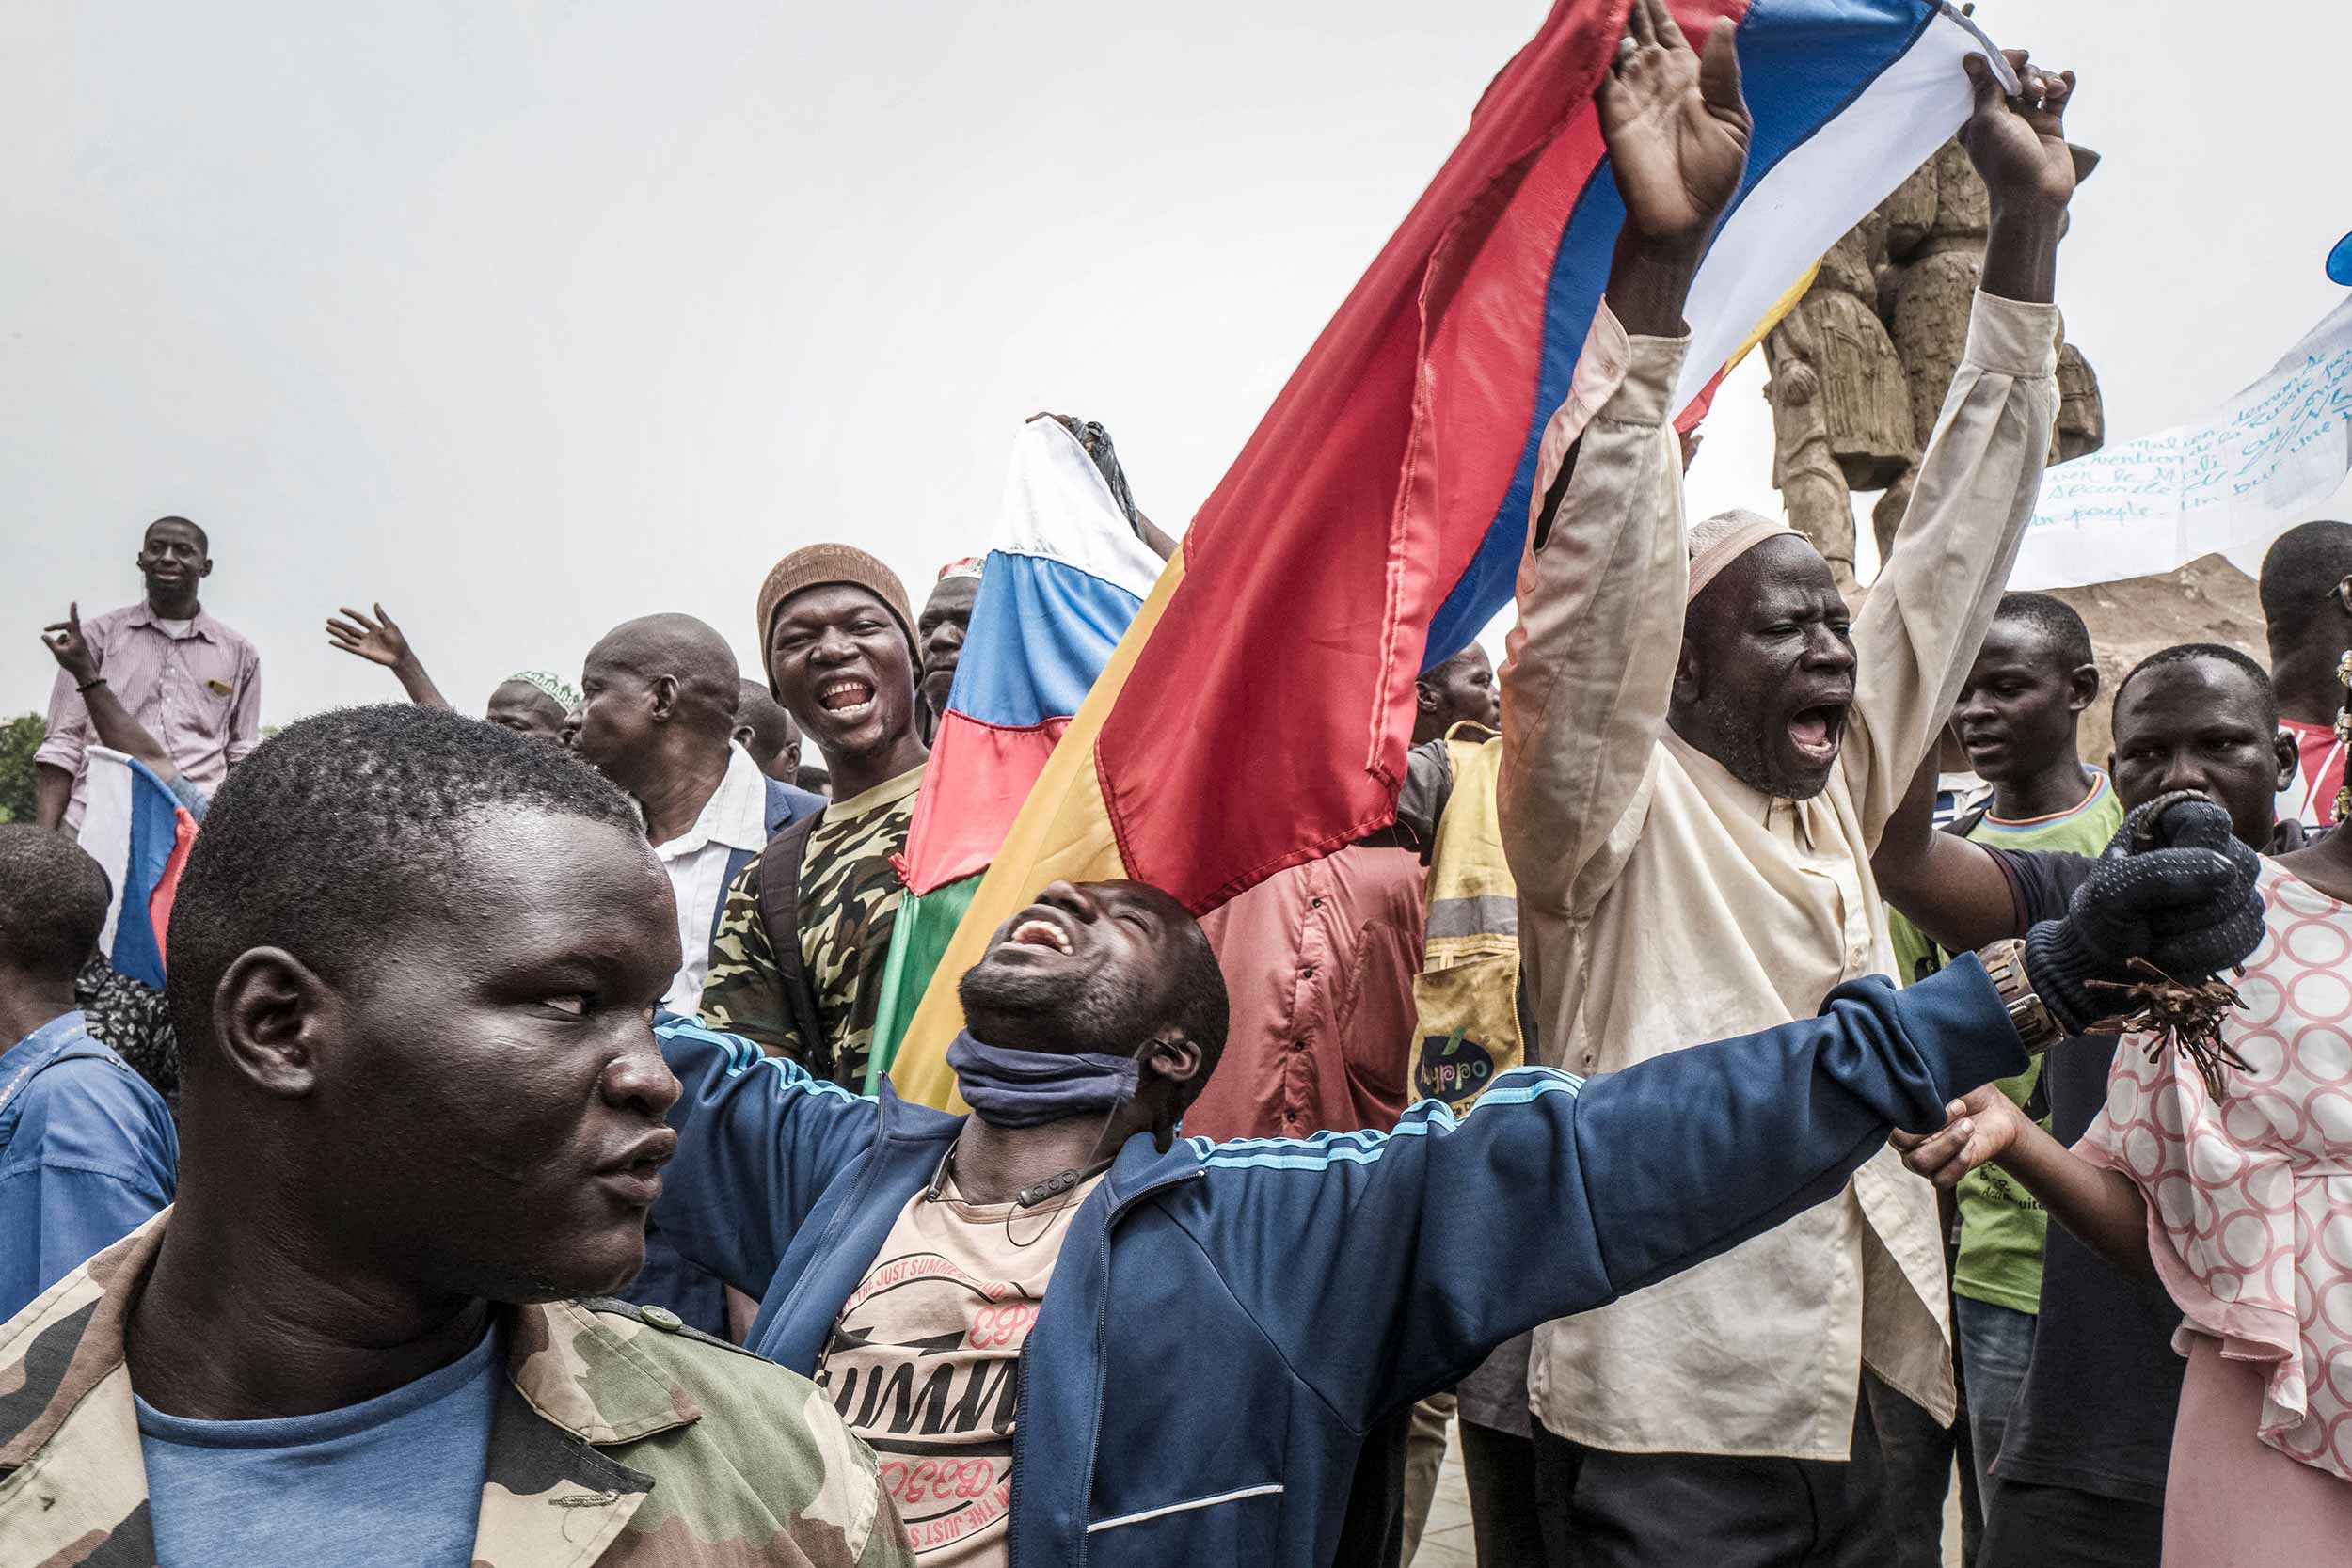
[2001,1226]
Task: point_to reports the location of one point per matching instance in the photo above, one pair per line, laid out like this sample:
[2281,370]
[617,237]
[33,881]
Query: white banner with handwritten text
[2232,482]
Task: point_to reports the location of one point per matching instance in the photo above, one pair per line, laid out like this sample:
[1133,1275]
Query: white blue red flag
[1373,523]
[137,828]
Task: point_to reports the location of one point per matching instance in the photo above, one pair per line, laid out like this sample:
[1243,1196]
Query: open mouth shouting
[1815,733]
[1036,931]
[847,698]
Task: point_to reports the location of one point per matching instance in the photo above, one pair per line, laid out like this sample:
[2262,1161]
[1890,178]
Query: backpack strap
[780,915]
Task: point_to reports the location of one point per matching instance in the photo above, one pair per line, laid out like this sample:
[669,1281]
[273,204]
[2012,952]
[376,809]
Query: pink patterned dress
[2249,1200]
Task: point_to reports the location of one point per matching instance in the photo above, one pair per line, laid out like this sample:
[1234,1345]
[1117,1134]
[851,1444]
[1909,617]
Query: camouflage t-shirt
[849,895]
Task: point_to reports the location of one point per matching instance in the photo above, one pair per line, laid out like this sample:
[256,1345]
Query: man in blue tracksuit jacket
[1226,1321]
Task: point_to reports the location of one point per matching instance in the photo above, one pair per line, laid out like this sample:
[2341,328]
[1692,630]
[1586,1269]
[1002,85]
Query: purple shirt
[199,695]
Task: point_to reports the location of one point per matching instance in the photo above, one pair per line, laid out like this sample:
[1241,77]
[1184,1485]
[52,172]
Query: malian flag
[1258,711]
[134,827]
[1064,577]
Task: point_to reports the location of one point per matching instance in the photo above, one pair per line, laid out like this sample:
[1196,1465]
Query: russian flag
[134,827]
[1064,577]
[1258,712]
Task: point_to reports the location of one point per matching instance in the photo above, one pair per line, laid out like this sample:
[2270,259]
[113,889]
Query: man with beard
[413,959]
[1699,750]
[531,703]
[1068,1332]
[805,937]
[939,633]
[195,685]
[2080,1476]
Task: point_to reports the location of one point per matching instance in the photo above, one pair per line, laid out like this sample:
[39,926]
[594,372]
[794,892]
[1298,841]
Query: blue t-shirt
[396,1480]
[88,1155]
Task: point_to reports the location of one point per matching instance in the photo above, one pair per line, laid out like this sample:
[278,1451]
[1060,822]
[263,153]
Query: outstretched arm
[1590,666]
[379,641]
[109,720]
[1587,1189]
[1952,890]
[1555,1194]
[1926,614]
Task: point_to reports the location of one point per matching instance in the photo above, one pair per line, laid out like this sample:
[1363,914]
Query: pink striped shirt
[199,695]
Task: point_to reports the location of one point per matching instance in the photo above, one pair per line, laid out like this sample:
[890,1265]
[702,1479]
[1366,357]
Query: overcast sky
[527,318]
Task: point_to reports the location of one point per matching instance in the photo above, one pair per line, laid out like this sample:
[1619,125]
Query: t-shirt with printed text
[925,1362]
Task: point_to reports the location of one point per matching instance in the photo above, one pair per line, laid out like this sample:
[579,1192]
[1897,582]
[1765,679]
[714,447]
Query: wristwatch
[2005,966]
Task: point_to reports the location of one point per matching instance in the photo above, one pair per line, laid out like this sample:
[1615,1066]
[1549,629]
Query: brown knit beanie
[818,567]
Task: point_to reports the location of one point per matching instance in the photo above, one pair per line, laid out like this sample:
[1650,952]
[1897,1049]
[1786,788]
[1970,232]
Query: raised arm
[1928,612]
[1589,666]
[1952,890]
[107,718]
[379,641]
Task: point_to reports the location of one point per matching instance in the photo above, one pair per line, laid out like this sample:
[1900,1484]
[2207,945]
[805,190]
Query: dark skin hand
[114,724]
[173,562]
[2018,145]
[379,639]
[1678,133]
[2197,725]
[365,1172]
[1108,993]
[843,670]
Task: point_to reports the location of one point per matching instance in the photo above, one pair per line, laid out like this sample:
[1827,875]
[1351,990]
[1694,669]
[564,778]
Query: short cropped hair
[343,824]
[203,540]
[1200,1007]
[2186,653]
[2299,568]
[53,902]
[2056,621]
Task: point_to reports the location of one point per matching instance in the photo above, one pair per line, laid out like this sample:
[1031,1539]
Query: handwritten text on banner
[2230,481]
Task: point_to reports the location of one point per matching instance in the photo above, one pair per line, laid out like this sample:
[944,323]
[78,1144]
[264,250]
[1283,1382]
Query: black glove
[2175,887]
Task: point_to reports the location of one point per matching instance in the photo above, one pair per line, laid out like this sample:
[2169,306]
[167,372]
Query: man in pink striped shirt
[191,682]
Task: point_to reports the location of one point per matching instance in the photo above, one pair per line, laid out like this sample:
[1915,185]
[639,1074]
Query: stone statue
[1892,303]
[1841,419]
[2082,420]
[1859,370]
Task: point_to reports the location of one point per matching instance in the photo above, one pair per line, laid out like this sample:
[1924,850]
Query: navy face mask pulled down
[1027,1088]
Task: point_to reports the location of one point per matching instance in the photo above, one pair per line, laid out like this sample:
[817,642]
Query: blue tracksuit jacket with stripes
[1227,1320]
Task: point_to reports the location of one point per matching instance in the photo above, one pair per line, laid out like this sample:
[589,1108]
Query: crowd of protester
[1674,1101]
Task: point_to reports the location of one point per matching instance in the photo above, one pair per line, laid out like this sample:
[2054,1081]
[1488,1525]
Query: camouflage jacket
[616,1443]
